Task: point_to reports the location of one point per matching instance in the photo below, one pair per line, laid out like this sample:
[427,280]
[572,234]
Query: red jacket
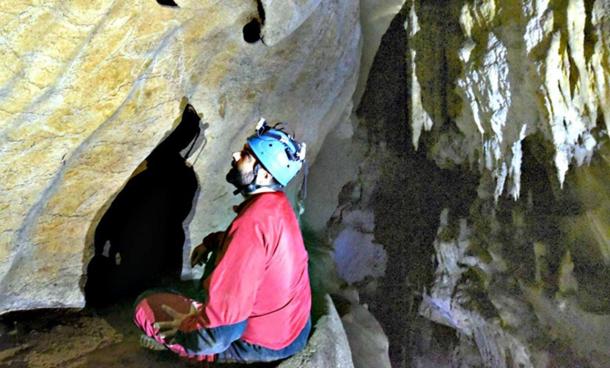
[260,274]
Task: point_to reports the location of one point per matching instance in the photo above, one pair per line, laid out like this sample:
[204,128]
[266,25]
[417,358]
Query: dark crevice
[261,11]
[590,36]
[439,37]
[253,29]
[139,240]
[167,3]
[574,74]
[411,193]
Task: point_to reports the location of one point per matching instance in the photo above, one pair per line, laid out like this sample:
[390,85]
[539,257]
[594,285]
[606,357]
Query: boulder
[328,346]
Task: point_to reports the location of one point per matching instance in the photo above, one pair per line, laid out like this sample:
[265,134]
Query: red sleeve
[233,284]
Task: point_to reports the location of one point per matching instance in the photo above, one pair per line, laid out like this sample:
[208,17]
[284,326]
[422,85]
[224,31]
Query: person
[258,298]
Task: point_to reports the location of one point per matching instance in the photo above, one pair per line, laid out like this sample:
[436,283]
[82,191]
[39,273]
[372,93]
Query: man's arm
[203,341]
[233,284]
[239,269]
[210,243]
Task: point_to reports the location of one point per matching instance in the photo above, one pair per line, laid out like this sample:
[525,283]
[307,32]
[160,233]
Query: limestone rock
[375,17]
[65,344]
[580,330]
[327,347]
[284,17]
[445,305]
[527,279]
[591,228]
[519,68]
[340,155]
[336,164]
[530,102]
[367,341]
[356,254]
[89,89]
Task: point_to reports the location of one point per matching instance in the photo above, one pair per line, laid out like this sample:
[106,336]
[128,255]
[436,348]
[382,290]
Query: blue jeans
[225,344]
[243,352]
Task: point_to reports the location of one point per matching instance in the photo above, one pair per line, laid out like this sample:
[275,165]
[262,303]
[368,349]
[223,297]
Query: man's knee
[209,341]
[194,344]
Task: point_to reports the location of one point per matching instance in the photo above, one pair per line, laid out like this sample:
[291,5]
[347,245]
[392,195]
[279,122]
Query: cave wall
[89,89]
[480,142]
[524,94]
[522,281]
[488,74]
[479,171]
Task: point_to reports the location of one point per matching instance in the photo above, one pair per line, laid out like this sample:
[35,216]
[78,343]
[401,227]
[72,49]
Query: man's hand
[210,242]
[167,330]
[199,254]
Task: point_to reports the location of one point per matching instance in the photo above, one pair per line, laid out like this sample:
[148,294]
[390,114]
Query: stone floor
[103,337]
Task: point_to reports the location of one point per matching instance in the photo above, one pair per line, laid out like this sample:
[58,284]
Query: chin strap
[247,189]
[302,195]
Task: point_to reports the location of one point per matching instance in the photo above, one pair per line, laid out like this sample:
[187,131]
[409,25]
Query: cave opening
[410,195]
[252,31]
[171,3]
[139,240]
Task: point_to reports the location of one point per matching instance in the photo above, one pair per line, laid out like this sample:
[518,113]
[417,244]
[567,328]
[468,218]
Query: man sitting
[258,299]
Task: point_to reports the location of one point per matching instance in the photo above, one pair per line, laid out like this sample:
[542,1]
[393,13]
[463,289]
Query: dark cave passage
[411,193]
[139,240]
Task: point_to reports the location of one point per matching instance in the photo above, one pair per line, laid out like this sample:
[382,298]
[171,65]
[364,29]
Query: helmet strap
[249,188]
[302,195]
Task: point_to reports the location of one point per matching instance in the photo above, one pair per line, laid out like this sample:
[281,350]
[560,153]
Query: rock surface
[339,156]
[445,305]
[518,68]
[520,96]
[356,254]
[66,344]
[110,339]
[526,280]
[89,89]
[328,347]
[283,17]
[520,277]
[367,341]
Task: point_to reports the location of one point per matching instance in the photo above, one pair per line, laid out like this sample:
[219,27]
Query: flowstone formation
[488,74]
[526,280]
[523,91]
[486,189]
[88,89]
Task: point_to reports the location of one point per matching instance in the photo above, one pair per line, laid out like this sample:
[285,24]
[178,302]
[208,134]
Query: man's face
[242,168]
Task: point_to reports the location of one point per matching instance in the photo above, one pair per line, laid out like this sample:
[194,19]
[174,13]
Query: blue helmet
[278,152]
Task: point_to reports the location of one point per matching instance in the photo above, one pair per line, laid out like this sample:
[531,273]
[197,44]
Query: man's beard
[239,179]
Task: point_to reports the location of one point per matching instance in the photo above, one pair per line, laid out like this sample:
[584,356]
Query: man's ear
[265,175]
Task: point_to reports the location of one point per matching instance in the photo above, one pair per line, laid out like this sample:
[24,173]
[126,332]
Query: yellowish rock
[88,89]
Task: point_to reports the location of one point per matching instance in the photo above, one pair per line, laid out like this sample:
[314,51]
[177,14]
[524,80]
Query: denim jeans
[243,352]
